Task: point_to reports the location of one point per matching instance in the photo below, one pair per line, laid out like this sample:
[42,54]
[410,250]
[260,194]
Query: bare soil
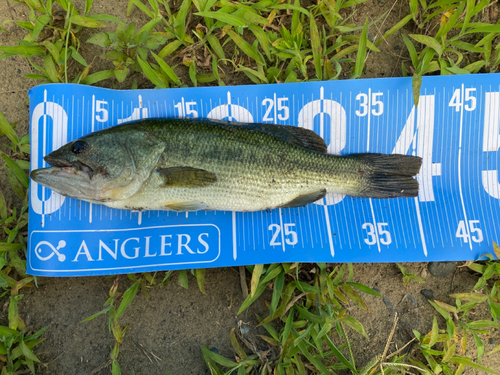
[173,323]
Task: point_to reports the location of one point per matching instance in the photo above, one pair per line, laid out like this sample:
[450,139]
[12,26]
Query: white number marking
[383,234]
[376,105]
[291,235]
[464,235]
[363,104]
[470,100]
[491,141]
[283,111]
[101,112]
[185,109]
[269,102]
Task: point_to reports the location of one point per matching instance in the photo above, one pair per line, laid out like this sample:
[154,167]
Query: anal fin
[186,206]
[305,199]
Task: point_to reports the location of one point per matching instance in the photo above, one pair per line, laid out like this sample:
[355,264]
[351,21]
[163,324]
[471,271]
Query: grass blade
[167,69]
[139,5]
[50,69]
[257,272]
[337,353]
[128,296]
[217,358]
[23,50]
[354,324]
[364,289]
[469,363]
[150,73]
[97,77]
[416,84]
[7,129]
[249,300]
[360,58]
[292,7]
[88,5]
[86,21]
[394,29]
[216,46]
[279,283]
[316,362]
[245,47]
[316,47]
[27,352]
[170,48]
[224,17]
[97,314]
[16,169]
[428,41]
[200,279]
[180,19]
[351,3]
[262,38]
[183,279]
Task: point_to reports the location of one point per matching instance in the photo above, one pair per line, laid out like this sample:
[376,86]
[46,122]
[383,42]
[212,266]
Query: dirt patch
[172,323]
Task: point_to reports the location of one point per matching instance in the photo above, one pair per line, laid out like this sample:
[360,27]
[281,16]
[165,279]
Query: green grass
[213,42]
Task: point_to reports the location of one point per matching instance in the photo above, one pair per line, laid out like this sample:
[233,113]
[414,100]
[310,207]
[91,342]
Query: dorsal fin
[294,135]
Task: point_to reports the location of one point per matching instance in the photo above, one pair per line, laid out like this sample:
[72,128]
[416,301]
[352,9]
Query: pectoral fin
[302,200]
[186,177]
[186,206]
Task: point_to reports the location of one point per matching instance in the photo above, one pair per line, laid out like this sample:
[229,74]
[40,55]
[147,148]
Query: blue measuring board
[455,129]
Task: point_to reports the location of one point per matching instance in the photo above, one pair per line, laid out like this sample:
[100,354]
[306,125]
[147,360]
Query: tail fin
[389,176]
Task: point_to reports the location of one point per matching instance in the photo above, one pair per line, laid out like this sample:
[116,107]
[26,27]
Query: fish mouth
[68,179]
[57,162]
[75,167]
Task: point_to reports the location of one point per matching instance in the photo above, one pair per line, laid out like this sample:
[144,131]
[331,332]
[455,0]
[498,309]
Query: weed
[16,343]
[129,50]
[15,346]
[267,41]
[308,312]
[407,276]
[449,355]
[114,315]
[53,34]
[461,45]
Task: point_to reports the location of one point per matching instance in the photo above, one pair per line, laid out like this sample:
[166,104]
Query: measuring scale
[455,129]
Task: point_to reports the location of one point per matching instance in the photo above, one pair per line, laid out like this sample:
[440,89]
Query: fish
[202,164]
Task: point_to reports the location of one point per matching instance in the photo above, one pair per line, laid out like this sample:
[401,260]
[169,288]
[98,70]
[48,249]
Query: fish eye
[78,147]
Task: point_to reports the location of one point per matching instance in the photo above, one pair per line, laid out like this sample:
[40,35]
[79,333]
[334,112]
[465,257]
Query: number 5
[103,112]
[471,98]
[384,235]
[292,233]
[190,111]
[378,103]
[284,108]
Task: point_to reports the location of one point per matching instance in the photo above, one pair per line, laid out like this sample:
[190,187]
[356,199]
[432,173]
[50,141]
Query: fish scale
[256,180]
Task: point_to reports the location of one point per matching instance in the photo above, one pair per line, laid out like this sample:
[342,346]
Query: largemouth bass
[189,165]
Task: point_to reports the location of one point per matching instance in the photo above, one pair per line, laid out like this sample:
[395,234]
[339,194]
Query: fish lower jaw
[66,171]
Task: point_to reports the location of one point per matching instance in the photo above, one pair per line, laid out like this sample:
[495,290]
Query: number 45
[464,234]
[456,100]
